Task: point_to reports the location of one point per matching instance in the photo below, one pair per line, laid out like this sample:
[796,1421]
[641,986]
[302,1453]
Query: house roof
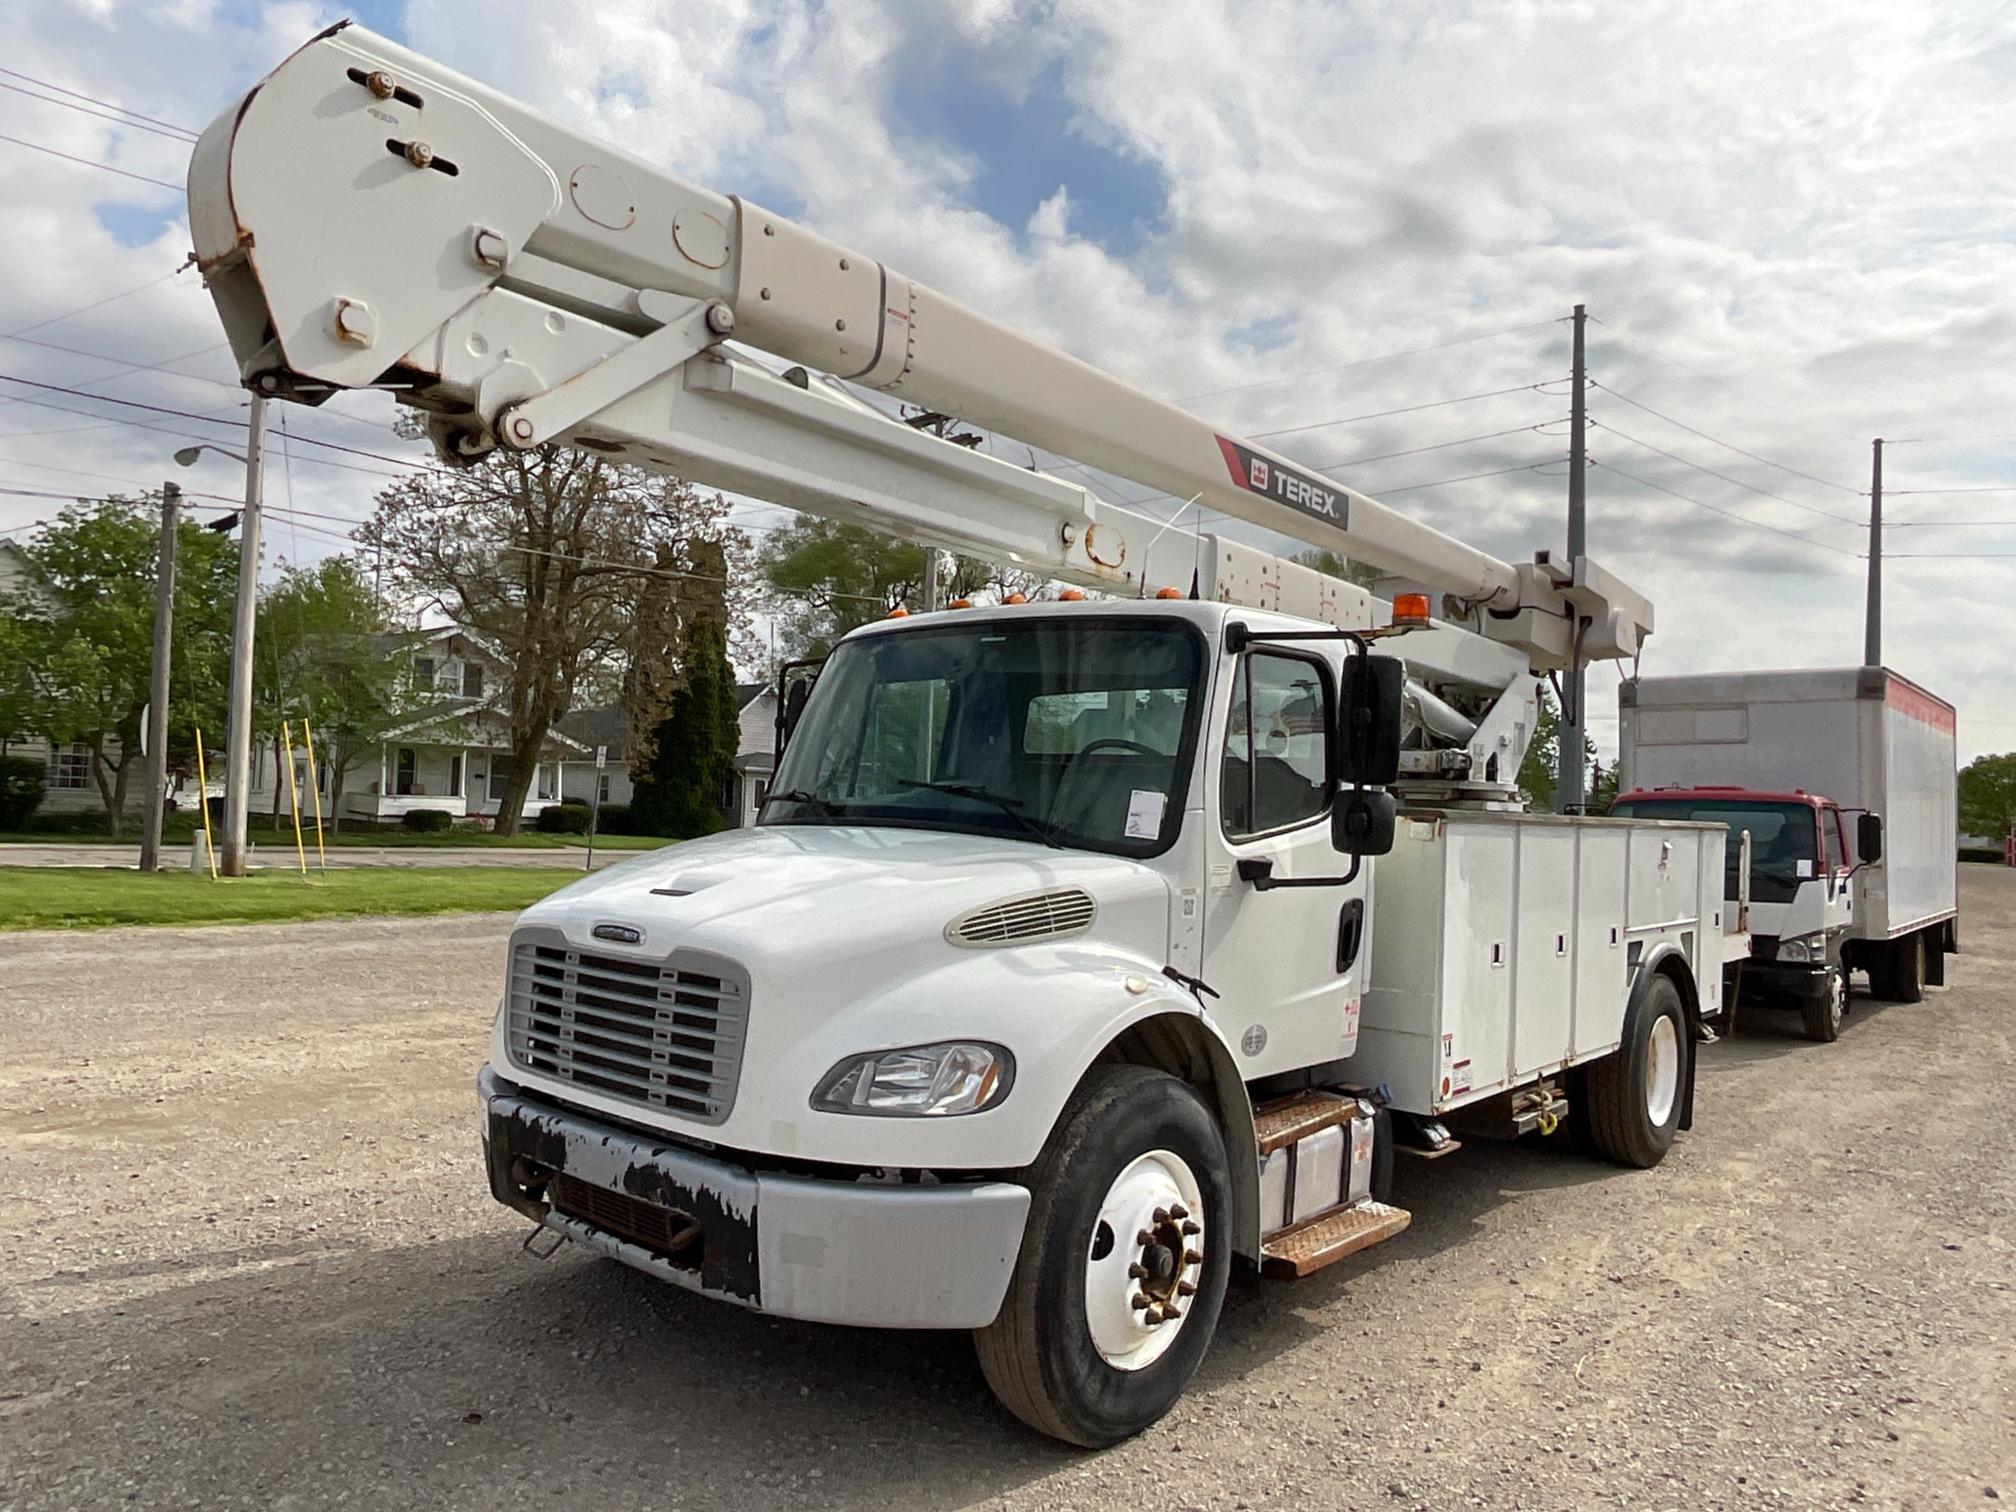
[748,693]
[603,725]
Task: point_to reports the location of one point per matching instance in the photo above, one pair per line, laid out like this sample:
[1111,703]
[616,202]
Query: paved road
[250,1263]
[176,857]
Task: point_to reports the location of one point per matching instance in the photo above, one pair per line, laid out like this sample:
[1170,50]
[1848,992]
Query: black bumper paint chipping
[716,1196]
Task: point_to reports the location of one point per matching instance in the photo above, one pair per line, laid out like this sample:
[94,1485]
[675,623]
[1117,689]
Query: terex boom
[1086,949]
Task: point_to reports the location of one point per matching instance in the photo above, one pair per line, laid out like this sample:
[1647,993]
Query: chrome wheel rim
[1143,1259]
[1662,1071]
[1837,997]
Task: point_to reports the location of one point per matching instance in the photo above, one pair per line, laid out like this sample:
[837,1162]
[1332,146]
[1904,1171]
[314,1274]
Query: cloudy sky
[1792,226]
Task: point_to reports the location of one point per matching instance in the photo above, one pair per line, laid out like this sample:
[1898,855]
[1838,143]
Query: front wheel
[1123,1263]
[1823,1013]
[1633,1098]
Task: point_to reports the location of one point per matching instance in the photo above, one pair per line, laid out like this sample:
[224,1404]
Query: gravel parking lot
[250,1262]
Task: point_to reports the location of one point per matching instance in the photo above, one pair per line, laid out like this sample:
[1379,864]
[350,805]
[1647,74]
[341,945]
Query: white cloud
[1805,213]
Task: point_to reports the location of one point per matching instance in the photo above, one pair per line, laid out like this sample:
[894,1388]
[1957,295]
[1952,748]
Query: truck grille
[663,1034]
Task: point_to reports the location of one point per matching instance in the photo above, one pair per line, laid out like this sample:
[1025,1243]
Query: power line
[172,136]
[79,472]
[1407,409]
[166,430]
[1730,445]
[1826,514]
[1730,514]
[1438,346]
[94,100]
[1892,493]
[159,409]
[88,162]
[126,366]
[84,309]
[1496,472]
[1415,451]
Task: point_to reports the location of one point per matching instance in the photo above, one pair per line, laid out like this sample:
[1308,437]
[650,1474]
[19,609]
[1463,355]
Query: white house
[741,794]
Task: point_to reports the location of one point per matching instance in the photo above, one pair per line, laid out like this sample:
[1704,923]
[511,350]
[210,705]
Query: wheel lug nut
[1169,1312]
[1161,1215]
[1190,1230]
[1191,1257]
[1144,1238]
[1137,1271]
[1186,1289]
[1139,1302]
[1177,1210]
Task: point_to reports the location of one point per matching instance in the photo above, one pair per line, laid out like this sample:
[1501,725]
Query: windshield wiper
[1012,807]
[799,795]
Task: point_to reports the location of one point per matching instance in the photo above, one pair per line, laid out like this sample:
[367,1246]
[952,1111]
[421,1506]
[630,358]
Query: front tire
[1823,1013]
[1123,1265]
[1634,1095]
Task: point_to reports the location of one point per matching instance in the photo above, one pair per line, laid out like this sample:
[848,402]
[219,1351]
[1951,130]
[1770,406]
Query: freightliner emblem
[1287,485]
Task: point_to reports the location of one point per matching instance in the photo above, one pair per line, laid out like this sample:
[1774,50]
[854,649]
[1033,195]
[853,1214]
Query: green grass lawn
[181,834]
[49,897]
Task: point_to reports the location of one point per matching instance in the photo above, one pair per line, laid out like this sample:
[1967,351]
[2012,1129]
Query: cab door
[1287,962]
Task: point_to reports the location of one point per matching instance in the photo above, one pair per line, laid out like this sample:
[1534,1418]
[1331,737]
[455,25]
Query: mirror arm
[1260,872]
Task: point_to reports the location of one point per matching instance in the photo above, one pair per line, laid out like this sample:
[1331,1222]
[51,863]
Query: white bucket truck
[1060,977]
[1845,781]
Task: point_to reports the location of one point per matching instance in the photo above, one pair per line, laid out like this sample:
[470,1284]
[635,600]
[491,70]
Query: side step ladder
[1316,1156]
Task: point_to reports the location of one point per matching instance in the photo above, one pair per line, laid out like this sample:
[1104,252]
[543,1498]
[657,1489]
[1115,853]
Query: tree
[833,577]
[324,661]
[1330,564]
[84,623]
[545,554]
[692,750]
[17,688]
[1988,796]
[1542,764]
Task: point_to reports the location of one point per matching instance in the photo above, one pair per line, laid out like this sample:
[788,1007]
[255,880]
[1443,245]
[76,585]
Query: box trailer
[1796,759]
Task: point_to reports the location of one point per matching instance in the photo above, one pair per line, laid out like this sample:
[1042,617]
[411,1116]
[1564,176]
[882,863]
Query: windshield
[1783,840]
[1072,732]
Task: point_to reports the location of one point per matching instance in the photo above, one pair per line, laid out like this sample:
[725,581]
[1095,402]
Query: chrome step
[1329,1237]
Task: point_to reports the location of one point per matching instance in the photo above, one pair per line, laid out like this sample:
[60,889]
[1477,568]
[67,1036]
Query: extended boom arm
[366,216]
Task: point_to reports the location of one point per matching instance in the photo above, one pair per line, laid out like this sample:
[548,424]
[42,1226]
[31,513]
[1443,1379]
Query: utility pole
[238,736]
[1569,774]
[157,687]
[932,591]
[1872,623]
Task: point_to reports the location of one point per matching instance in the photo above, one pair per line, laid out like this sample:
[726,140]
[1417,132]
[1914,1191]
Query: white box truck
[1846,781]
[1086,948]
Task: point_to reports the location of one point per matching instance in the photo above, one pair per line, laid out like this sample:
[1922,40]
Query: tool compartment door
[1601,860]
[1543,964]
[1477,941]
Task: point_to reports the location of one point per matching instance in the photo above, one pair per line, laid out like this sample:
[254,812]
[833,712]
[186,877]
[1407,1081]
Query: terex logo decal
[1287,485]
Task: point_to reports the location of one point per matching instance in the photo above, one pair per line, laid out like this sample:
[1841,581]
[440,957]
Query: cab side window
[1277,758]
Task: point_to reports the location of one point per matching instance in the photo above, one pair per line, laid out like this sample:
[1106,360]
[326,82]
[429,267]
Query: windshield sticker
[1144,814]
[1805,869]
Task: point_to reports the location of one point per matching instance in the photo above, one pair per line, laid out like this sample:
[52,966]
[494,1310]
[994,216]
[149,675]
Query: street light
[238,731]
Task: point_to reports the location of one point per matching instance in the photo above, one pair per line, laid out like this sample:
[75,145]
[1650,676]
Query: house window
[546,782]
[472,680]
[402,782]
[602,787]
[455,775]
[500,777]
[423,671]
[70,766]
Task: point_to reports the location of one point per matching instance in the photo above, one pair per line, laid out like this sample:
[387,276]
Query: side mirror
[1368,722]
[1868,838]
[794,686]
[1362,821]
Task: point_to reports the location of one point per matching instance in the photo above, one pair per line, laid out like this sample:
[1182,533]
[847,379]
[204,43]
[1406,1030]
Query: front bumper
[1771,977]
[821,1249]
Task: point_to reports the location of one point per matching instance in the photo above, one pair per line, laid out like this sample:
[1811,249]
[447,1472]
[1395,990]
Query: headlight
[924,1081]
[1805,948]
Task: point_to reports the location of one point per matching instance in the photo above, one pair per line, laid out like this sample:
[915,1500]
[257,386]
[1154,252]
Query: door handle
[1350,933]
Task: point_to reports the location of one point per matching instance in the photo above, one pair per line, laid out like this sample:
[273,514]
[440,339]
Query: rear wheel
[1823,1013]
[1123,1264]
[1907,968]
[1633,1098]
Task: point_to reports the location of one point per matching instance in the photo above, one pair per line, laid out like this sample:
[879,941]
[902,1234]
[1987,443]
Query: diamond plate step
[1330,1236]
[1279,1124]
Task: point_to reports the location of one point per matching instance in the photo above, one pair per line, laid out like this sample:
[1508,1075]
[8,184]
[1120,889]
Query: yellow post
[203,798]
[314,794]
[294,796]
